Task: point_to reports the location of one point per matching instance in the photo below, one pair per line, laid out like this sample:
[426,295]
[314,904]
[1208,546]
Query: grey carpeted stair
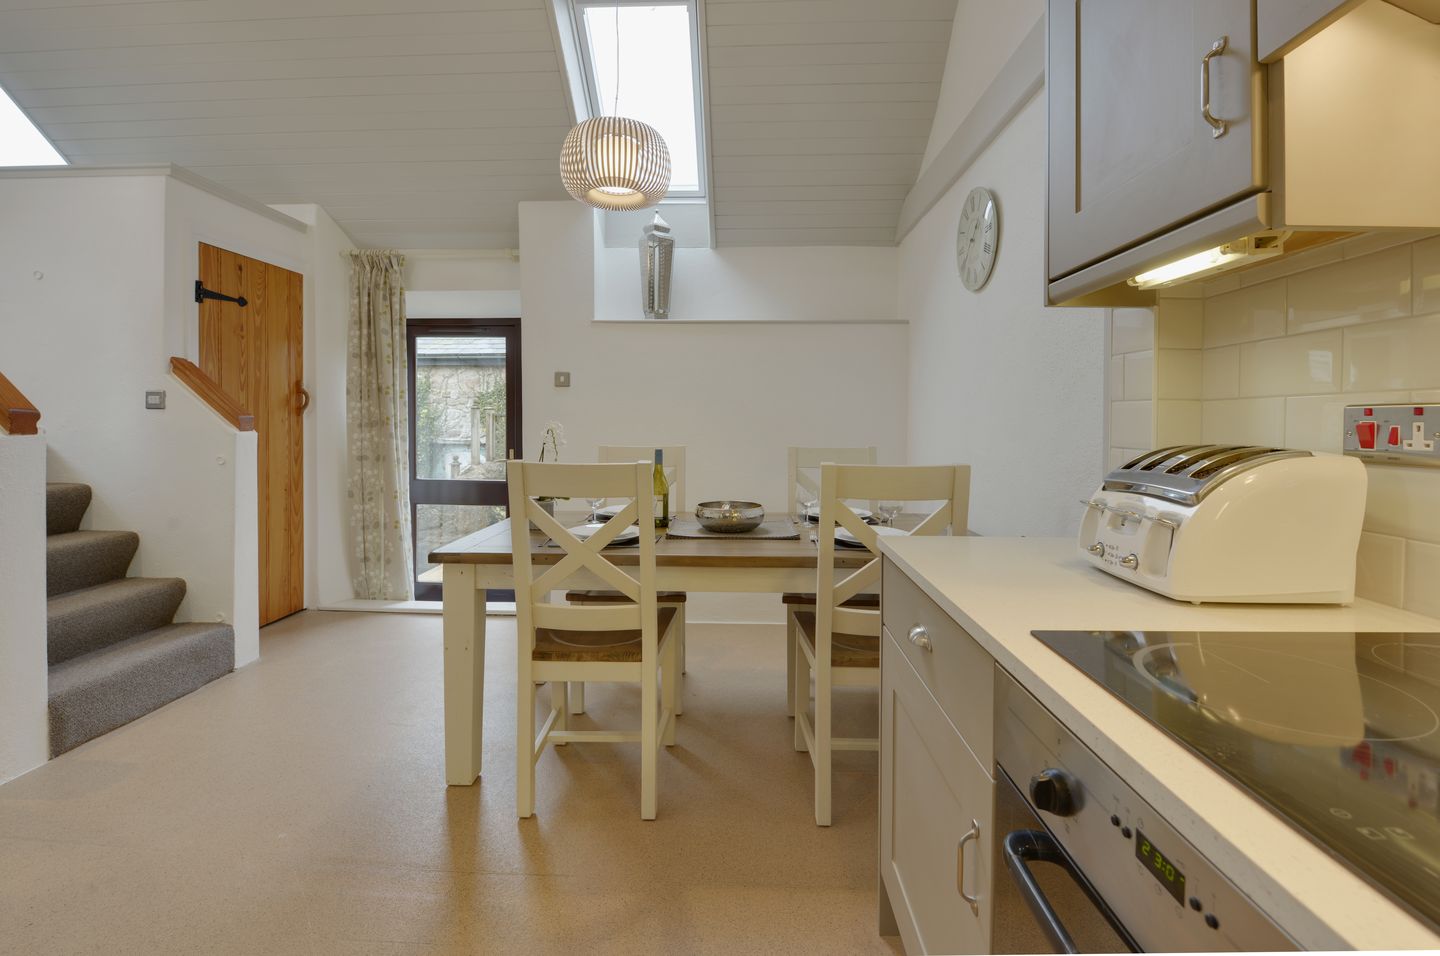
[83,559]
[115,654]
[65,504]
[93,694]
[89,619]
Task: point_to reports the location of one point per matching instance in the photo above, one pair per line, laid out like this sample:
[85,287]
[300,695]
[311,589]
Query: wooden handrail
[204,386]
[17,415]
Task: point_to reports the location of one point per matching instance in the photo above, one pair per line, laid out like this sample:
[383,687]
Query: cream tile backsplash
[1245,315]
[1221,373]
[1273,355]
[1367,289]
[1132,377]
[1296,365]
[1398,354]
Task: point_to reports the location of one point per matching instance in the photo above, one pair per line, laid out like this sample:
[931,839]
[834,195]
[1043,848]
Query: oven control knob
[1096,549]
[1130,562]
[1053,791]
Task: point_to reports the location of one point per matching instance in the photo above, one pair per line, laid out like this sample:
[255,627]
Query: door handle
[1217,126]
[1022,847]
[304,399]
[971,834]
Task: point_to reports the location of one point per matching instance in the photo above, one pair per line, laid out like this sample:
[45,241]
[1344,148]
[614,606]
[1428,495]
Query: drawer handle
[921,638]
[1217,126]
[971,834]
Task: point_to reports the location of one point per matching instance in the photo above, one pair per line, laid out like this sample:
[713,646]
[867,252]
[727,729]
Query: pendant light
[612,162]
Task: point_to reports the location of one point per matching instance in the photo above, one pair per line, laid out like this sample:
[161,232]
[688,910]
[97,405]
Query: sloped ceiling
[421,123]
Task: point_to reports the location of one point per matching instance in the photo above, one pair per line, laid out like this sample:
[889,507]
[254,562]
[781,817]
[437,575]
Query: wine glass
[595,505]
[889,510]
[804,501]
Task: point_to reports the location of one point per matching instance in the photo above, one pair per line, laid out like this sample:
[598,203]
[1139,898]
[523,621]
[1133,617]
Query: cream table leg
[464,637]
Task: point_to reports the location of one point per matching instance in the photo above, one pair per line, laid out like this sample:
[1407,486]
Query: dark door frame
[441,491]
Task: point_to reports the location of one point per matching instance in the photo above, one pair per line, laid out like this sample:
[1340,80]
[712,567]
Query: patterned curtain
[378,423]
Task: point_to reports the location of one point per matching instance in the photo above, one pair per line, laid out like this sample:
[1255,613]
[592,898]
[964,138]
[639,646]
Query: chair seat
[599,596]
[846,650]
[865,600]
[595,647]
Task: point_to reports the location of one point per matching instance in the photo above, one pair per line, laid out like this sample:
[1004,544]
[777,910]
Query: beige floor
[297,806]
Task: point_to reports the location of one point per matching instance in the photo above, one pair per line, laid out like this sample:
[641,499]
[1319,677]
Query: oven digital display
[1160,866]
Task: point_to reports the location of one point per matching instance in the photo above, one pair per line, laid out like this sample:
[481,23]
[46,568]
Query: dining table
[480,563]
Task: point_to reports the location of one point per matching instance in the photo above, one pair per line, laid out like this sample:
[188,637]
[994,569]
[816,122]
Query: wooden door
[255,353]
[1131,154]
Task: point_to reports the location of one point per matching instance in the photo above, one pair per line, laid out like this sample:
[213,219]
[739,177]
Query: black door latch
[202,293]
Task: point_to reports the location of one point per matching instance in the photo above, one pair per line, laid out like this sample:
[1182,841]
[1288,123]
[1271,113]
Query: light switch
[155,400]
[562,379]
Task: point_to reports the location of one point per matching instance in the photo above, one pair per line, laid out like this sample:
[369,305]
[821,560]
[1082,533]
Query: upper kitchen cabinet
[1155,117]
[1175,153]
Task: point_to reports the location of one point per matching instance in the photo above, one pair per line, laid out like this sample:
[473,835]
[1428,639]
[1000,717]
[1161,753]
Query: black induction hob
[1338,733]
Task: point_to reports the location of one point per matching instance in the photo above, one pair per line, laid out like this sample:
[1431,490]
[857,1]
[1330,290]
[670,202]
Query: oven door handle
[1023,847]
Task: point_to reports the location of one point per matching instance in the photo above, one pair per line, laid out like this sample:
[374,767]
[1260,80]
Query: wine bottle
[662,492]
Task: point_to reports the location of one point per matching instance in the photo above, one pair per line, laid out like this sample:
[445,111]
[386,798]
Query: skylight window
[641,60]
[21,144]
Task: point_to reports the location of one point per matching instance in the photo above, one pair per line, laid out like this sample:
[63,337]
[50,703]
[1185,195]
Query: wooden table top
[492,546]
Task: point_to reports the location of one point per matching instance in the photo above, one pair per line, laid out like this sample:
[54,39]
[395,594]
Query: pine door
[255,353]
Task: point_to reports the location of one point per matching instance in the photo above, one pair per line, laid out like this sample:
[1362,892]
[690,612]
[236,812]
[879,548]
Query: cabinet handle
[304,399]
[921,638]
[1217,126]
[971,834]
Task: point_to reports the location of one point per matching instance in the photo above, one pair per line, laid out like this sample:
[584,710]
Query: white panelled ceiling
[820,111]
[421,123]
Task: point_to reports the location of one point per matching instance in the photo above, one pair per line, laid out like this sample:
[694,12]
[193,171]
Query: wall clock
[977,238]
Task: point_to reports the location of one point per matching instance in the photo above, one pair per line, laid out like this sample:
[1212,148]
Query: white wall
[753,284]
[94,273]
[982,37]
[996,379]
[736,395]
[24,724]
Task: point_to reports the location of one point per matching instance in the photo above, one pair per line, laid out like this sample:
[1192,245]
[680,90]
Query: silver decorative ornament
[657,253]
[611,162]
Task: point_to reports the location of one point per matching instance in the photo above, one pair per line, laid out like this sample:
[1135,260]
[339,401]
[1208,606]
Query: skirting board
[492,608]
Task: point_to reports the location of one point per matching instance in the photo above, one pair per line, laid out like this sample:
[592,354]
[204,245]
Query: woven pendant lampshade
[611,162]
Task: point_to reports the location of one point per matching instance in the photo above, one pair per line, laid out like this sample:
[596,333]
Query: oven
[1085,865]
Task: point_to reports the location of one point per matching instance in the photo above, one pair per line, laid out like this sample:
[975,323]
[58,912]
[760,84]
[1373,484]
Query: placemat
[773,529]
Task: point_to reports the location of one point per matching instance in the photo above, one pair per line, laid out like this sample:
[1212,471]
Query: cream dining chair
[803,479]
[629,641]
[836,640]
[674,456]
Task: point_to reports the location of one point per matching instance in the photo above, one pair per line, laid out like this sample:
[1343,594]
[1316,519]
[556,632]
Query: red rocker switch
[1393,439]
[1365,433]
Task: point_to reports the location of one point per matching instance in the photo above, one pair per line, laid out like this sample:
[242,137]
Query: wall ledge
[1022,76]
[179,173]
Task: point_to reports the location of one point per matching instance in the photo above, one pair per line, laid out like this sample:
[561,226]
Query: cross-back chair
[674,456]
[803,475]
[623,641]
[836,640]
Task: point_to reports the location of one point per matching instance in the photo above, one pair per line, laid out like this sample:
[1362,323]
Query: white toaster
[1230,523]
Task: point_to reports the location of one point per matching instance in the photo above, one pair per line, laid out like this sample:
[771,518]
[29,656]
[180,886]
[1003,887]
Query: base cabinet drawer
[937,804]
[956,670]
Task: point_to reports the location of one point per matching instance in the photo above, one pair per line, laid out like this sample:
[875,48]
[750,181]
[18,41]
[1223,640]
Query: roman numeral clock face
[978,238]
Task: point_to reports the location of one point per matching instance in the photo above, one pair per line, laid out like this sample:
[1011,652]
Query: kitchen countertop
[999,589]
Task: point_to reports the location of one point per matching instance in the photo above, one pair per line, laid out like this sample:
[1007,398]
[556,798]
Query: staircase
[115,653]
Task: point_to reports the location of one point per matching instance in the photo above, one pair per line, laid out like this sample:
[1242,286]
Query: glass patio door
[464,423]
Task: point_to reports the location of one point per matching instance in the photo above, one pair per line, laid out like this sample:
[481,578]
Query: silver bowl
[729,517]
